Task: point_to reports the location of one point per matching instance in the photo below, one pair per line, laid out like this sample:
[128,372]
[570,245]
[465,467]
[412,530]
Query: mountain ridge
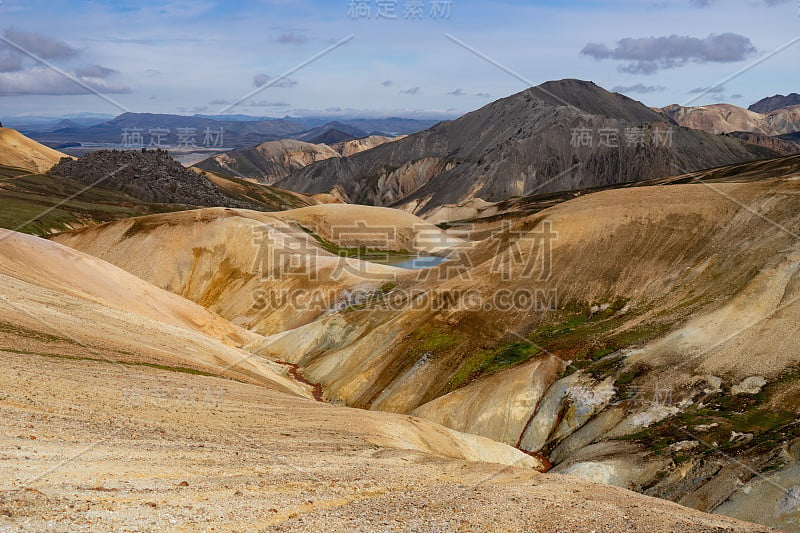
[517,145]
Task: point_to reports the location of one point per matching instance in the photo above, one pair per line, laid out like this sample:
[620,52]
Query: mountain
[391,126]
[41,204]
[719,118]
[519,145]
[274,160]
[332,133]
[268,162]
[44,192]
[34,123]
[649,343]
[21,152]
[153,177]
[240,131]
[148,175]
[773,103]
[356,146]
[108,377]
[727,118]
[776,143]
[235,133]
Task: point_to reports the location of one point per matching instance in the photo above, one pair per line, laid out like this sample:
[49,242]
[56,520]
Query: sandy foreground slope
[700,289]
[98,447]
[111,419]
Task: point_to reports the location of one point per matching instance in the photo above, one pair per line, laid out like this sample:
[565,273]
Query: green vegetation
[387,287]
[589,340]
[488,362]
[40,204]
[722,414]
[19,331]
[432,340]
[268,198]
[357,253]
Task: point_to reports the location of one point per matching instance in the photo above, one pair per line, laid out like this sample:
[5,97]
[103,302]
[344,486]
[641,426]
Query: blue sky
[200,56]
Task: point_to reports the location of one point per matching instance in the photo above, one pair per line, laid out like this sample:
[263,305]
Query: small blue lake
[418,263]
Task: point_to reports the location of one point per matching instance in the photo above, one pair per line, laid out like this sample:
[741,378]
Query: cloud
[196,109]
[708,90]
[483,95]
[20,75]
[649,54]
[737,96]
[639,88]
[152,73]
[413,90]
[259,80]
[267,103]
[387,83]
[707,3]
[38,44]
[220,101]
[457,92]
[10,63]
[95,71]
[41,81]
[292,38]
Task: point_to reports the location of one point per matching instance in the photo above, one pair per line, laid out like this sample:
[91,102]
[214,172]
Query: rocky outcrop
[148,175]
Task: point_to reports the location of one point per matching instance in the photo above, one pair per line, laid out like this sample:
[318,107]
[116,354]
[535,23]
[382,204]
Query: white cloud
[41,81]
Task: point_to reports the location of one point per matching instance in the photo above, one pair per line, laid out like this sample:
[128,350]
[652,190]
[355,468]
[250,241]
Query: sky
[378,58]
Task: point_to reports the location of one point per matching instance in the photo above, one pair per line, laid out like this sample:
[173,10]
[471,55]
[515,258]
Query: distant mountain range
[239,131]
[559,136]
[773,103]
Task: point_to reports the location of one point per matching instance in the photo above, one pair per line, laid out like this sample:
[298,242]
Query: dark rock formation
[148,175]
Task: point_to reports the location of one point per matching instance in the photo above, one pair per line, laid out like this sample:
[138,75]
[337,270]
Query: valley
[483,325]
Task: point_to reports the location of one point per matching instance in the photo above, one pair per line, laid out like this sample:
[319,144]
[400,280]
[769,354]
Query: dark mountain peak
[346,128]
[773,103]
[331,133]
[517,146]
[594,100]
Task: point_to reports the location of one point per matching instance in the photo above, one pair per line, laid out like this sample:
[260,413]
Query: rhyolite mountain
[274,160]
[773,103]
[727,118]
[522,145]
